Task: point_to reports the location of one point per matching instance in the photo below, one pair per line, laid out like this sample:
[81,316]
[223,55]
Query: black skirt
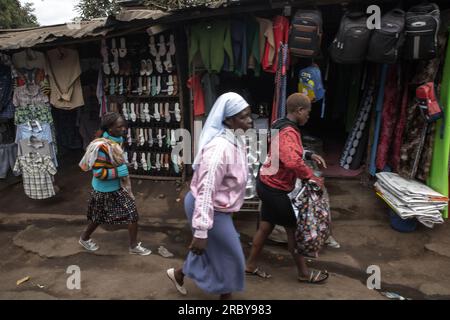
[112,208]
[276,207]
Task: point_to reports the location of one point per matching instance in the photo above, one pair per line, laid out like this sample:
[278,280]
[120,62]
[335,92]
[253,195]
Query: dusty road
[39,240]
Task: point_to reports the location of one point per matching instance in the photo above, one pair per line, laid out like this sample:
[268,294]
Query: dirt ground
[39,239]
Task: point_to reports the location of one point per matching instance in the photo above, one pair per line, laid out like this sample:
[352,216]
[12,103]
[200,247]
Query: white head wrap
[227,105]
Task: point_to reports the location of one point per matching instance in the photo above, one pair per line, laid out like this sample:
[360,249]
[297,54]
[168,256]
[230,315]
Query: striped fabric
[103,168]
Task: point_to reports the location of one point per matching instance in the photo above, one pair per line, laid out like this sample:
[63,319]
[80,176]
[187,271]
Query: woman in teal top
[110,203]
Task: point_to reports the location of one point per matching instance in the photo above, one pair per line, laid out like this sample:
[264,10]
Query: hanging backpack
[385,42]
[352,39]
[310,83]
[422,26]
[305,35]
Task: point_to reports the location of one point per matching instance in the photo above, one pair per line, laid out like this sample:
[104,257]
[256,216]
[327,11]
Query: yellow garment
[64,73]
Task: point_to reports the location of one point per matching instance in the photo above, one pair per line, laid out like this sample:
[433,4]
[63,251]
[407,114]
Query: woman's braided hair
[108,120]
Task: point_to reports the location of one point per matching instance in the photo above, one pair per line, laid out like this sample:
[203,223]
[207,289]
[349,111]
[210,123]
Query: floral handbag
[313,221]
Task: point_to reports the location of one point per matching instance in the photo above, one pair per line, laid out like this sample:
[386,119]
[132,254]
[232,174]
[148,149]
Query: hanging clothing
[253,45]
[64,73]
[8,157]
[239,42]
[5,87]
[34,145]
[37,172]
[389,116]
[210,83]
[213,40]
[266,43]
[281,36]
[194,83]
[29,59]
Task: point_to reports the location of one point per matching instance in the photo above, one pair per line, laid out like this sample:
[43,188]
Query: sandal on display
[315,276]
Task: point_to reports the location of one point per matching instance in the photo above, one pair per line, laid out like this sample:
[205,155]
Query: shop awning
[26,38]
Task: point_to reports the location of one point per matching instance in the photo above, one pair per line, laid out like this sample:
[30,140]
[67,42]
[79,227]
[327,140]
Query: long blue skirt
[221,268]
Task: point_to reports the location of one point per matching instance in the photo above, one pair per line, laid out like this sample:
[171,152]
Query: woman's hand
[319,160]
[198,246]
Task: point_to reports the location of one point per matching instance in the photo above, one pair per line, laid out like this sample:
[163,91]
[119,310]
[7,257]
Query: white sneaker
[171,274]
[332,243]
[140,250]
[88,244]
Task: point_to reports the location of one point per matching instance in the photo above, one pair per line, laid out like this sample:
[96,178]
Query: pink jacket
[219,182]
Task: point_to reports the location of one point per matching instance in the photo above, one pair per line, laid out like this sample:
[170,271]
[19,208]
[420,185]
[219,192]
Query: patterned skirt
[112,208]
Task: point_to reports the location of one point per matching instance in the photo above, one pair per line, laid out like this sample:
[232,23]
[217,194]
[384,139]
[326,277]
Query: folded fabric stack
[410,198]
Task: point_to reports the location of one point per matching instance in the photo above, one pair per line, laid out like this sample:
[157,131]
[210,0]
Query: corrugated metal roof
[140,14]
[26,38]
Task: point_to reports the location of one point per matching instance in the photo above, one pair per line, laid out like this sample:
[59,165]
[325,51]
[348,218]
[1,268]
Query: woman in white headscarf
[216,261]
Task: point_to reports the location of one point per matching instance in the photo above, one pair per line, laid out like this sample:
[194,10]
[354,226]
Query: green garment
[213,40]
[253,43]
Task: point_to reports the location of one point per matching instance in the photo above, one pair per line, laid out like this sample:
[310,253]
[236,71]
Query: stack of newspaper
[410,198]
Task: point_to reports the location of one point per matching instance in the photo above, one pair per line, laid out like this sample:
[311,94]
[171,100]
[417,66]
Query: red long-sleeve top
[286,150]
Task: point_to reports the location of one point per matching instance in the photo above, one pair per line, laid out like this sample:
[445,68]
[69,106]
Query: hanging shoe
[152,46]
[161,111]
[168,138]
[158,163]
[125,157]
[149,161]
[141,138]
[166,112]
[175,85]
[144,85]
[173,140]
[158,64]
[154,84]
[134,162]
[158,85]
[168,63]
[122,49]
[150,137]
[143,114]
[175,166]
[170,85]
[149,69]
[146,113]
[125,112]
[121,86]
[140,86]
[162,46]
[143,67]
[132,112]
[159,137]
[144,162]
[112,86]
[166,162]
[172,45]
[177,112]
[115,53]
[156,114]
[129,138]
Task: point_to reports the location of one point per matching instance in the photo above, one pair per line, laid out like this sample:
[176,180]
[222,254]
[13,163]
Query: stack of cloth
[411,199]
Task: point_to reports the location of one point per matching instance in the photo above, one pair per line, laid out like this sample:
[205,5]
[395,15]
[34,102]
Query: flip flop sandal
[170,86]
[177,112]
[156,114]
[123,49]
[172,44]
[158,164]
[143,67]
[149,69]
[125,111]
[168,63]
[161,110]
[162,46]
[154,84]
[140,86]
[158,64]
[160,137]
[150,137]
[173,140]
[168,139]
[144,162]
[149,161]
[158,85]
[259,273]
[152,46]
[121,86]
[166,112]
[315,277]
[106,84]
[129,85]
[132,112]
[161,160]
[129,138]
[146,112]
[134,161]
[171,274]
